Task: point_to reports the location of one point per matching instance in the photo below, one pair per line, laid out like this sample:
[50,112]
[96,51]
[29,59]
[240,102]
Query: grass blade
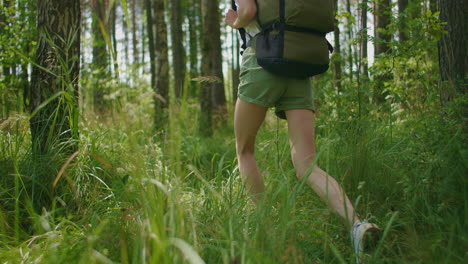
[188,251]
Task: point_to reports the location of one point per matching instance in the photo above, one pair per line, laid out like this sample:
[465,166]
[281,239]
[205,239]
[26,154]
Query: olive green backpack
[292,41]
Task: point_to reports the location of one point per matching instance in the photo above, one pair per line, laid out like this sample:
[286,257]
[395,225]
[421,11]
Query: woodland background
[117,145]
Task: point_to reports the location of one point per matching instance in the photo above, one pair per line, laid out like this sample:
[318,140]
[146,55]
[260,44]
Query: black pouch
[269,51]
[270,56]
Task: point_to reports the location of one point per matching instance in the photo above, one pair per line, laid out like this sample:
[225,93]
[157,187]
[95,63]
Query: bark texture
[364,37]
[402,34]
[194,32]
[453,60]
[151,42]
[100,54]
[162,68]
[58,52]
[177,47]
[99,25]
[206,87]
[212,60]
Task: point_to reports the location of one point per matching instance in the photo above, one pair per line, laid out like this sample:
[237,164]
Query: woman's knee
[245,149]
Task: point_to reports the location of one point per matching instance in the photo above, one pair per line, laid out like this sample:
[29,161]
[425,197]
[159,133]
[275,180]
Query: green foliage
[130,196]
[412,64]
[120,199]
[18,32]
[18,38]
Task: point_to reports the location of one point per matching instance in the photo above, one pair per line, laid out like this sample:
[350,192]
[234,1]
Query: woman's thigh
[248,118]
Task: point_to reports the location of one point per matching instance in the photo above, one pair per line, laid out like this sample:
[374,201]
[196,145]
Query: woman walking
[293,101]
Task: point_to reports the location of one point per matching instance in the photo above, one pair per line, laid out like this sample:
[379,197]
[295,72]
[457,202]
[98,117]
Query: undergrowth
[127,197]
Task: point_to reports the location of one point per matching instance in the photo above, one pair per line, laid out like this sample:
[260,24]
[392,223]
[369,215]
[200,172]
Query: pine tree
[162,67]
[453,60]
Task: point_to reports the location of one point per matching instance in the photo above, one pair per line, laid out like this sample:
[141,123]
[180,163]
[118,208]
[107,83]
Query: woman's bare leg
[301,127]
[248,118]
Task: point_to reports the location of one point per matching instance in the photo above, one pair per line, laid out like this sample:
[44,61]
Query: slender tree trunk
[100,55]
[206,103]
[24,84]
[402,28]
[364,37]
[382,39]
[114,39]
[55,124]
[337,53]
[453,60]
[99,25]
[235,65]
[23,77]
[143,44]
[193,39]
[136,54]
[162,67]
[383,15]
[213,35]
[151,42]
[433,5]
[349,31]
[126,42]
[177,47]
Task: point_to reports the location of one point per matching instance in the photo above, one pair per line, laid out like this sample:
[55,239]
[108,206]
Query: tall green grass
[130,197]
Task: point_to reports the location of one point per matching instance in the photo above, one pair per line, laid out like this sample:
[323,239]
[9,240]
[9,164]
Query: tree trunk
[235,65]
[143,44]
[433,6]
[136,54]
[193,39]
[212,42]
[54,125]
[100,55]
[99,25]
[126,42]
[206,103]
[382,15]
[364,37]
[337,53]
[349,32]
[151,42]
[114,40]
[452,46]
[177,47]
[402,28]
[162,68]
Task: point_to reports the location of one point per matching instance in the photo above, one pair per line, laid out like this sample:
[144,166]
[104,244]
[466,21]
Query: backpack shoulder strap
[242,32]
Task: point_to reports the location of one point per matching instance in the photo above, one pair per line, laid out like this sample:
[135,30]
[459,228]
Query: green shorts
[266,89]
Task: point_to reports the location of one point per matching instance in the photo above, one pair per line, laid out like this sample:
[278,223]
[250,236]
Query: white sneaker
[364,235]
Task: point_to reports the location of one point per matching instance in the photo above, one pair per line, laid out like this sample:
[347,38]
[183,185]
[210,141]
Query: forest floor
[129,197]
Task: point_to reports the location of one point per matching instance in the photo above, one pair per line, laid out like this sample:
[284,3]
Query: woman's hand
[245,14]
[231,17]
